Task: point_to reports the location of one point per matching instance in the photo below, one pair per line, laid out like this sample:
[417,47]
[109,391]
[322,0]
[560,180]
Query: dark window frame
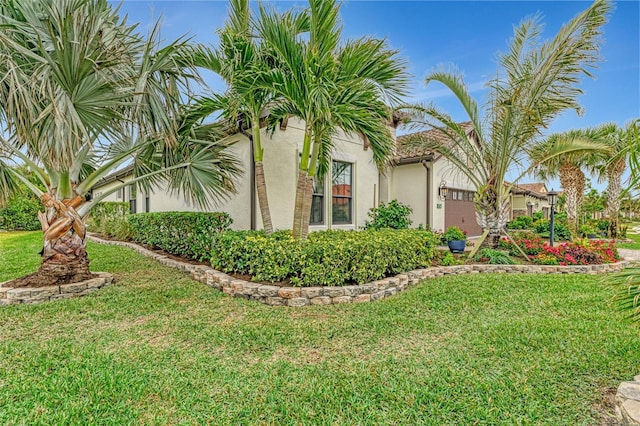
[318,196]
[349,197]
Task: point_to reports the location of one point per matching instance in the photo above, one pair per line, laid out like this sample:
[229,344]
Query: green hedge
[21,213]
[326,258]
[186,234]
[110,218]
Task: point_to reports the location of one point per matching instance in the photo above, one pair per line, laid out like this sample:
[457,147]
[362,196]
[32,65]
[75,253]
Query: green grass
[635,245]
[159,348]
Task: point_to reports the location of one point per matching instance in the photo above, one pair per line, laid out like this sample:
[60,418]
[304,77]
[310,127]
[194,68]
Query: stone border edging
[628,402]
[303,296]
[20,295]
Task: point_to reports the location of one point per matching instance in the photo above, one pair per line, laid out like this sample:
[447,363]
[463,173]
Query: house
[340,201]
[529,198]
[438,193]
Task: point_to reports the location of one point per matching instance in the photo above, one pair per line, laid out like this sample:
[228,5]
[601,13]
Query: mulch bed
[37,280]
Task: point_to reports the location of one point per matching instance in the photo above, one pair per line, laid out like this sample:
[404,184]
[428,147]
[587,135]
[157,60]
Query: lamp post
[552,197]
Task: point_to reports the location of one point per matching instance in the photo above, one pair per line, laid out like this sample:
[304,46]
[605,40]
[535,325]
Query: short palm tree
[330,87]
[83,94]
[536,81]
[569,166]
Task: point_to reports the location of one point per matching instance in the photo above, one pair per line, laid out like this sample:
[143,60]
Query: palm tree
[628,282]
[536,81]
[329,87]
[239,58]
[83,94]
[621,142]
[569,166]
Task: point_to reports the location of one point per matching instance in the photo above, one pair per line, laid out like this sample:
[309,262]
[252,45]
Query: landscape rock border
[22,295]
[628,402]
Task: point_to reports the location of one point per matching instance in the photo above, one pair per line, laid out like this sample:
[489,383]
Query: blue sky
[464,34]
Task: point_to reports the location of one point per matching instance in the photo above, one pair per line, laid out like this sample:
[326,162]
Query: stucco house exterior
[343,198]
[419,178]
[529,198]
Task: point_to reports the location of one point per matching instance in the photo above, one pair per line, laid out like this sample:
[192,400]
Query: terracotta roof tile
[405,151]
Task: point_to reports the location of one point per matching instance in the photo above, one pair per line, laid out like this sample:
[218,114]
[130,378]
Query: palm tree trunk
[306,207]
[263,201]
[298,207]
[572,181]
[494,220]
[64,255]
[614,175]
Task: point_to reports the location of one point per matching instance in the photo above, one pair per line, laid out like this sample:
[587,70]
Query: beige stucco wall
[519,202]
[281,153]
[409,186]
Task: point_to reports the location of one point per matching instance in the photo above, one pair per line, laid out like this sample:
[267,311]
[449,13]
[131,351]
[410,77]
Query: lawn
[160,348]
[635,245]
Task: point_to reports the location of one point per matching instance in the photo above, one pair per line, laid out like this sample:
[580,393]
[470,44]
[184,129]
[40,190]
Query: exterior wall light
[443,190]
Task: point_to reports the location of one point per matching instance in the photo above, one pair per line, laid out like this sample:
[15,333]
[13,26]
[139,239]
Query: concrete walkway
[629,254]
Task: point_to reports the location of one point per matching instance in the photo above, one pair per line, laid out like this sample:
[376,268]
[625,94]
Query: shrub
[21,213]
[448,259]
[602,225]
[561,231]
[454,233]
[186,234]
[521,222]
[537,216]
[393,215]
[326,258]
[111,219]
[493,257]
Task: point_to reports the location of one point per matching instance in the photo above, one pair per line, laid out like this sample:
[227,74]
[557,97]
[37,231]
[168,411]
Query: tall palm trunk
[299,204]
[572,180]
[306,206]
[263,201]
[261,183]
[64,255]
[614,175]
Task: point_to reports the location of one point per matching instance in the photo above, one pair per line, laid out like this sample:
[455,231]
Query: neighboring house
[438,193]
[529,198]
[420,179]
[341,201]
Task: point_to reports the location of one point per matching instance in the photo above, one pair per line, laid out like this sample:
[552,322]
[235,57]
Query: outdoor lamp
[552,197]
[443,190]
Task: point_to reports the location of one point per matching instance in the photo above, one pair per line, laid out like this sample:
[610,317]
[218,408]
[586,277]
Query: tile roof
[406,151]
[536,189]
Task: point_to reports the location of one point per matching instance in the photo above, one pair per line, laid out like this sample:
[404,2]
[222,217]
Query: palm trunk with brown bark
[572,180]
[263,201]
[614,175]
[64,255]
[298,208]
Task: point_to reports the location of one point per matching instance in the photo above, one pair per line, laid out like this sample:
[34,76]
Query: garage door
[459,211]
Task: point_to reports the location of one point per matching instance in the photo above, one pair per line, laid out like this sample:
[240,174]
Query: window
[341,192]
[459,195]
[146,203]
[132,198]
[317,204]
